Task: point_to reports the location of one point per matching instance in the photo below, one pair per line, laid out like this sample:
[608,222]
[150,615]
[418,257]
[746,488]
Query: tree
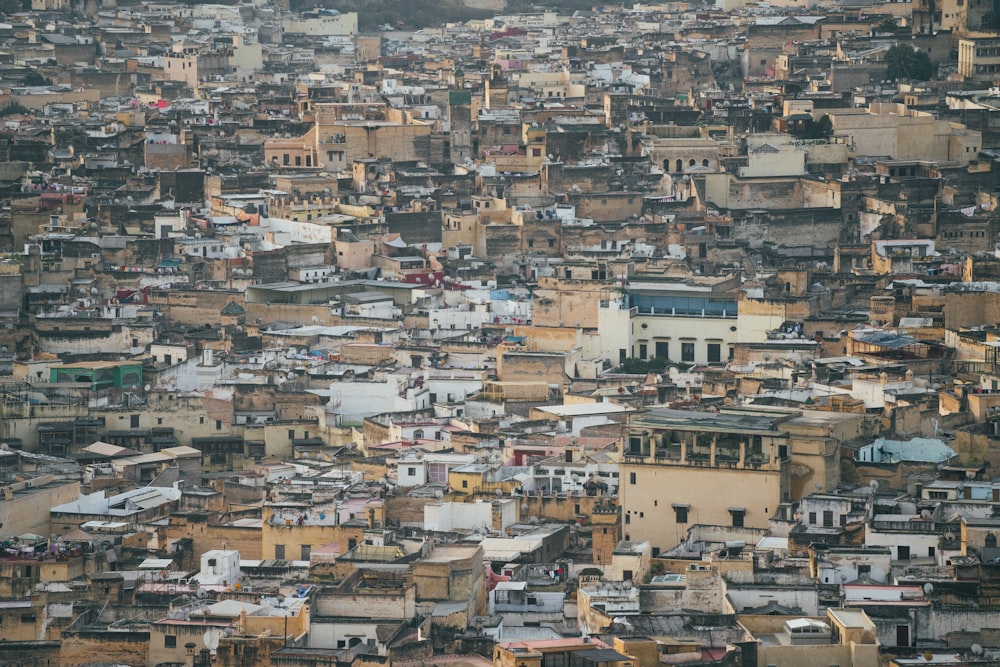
[14,109]
[904,62]
[821,129]
[887,25]
[33,78]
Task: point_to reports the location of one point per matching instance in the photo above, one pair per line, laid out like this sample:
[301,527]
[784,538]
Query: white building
[416,468]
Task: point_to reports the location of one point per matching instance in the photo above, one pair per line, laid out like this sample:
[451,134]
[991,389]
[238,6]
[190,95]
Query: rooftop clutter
[611,337]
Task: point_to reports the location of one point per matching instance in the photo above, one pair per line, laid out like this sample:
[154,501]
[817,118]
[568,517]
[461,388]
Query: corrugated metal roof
[181,451]
[107,449]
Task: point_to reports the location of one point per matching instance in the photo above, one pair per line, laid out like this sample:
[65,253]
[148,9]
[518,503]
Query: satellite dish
[928,588]
[976,649]
[925,514]
[147,387]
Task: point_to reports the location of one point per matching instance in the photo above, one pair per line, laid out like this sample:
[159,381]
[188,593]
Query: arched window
[680,164]
[991,541]
[704,162]
[691,163]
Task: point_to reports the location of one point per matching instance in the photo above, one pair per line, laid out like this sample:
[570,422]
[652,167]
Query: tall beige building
[731,468]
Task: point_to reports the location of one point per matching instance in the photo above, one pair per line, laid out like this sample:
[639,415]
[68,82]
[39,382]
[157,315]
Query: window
[298,160]
[714,353]
[990,541]
[285,159]
[642,351]
[681,513]
[437,473]
[304,552]
[737,515]
[291,434]
[687,352]
[628,518]
[412,472]
[279,551]
[812,518]
[903,552]
[552,243]
[864,570]
[631,478]
[134,421]
[827,519]
[218,424]
[930,552]
[662,349]
[169,641]
[465,483]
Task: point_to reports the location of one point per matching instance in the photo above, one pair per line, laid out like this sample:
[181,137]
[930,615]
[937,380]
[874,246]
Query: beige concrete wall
[28,512]
[395,603]
[647,512]
[124,648]
[293,536]
[206,536]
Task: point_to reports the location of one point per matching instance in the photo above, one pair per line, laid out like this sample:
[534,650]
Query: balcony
[675,312]
[668,453]
[701,452]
